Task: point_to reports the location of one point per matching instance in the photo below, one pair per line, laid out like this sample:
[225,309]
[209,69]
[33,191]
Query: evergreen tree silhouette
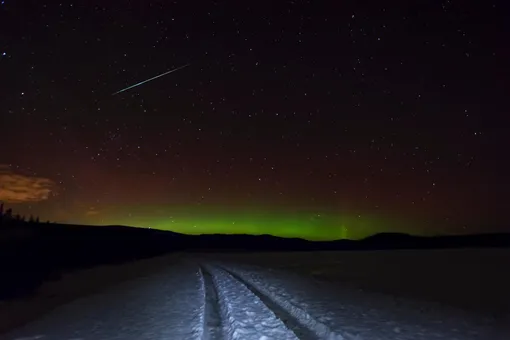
[8,214]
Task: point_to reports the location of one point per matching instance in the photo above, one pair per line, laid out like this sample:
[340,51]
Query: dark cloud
[20,188]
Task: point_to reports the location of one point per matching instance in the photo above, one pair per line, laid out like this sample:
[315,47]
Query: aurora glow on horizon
[312,227]
[307,225]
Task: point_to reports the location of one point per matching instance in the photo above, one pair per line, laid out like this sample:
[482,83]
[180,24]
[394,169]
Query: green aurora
[307,225]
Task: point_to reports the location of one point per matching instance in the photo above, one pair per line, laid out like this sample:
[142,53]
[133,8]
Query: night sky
[296,118]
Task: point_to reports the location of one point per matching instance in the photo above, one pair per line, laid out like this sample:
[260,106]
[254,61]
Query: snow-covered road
[211,300]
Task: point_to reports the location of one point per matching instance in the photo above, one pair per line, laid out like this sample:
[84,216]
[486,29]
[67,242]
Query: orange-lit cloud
[19,188]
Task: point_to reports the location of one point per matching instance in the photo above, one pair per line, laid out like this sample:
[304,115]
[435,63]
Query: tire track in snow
[244,315]
[213,327]
[303,333]
[302,324]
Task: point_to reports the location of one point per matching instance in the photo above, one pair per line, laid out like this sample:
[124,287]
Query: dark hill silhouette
[33,252]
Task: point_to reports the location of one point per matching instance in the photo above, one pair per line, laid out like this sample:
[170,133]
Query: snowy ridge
[300,315]
[201,330]
[244,315]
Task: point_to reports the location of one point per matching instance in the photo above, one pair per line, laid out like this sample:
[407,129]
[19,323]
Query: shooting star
[145,81]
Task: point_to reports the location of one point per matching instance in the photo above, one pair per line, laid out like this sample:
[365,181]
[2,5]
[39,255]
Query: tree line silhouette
[7,217]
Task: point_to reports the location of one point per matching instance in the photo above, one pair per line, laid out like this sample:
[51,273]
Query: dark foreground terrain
[44,266]
[33,253]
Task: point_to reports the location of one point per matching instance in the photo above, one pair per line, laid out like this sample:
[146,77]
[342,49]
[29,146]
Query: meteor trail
[145,81]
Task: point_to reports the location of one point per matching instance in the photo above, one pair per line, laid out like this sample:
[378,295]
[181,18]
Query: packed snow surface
[203,299]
